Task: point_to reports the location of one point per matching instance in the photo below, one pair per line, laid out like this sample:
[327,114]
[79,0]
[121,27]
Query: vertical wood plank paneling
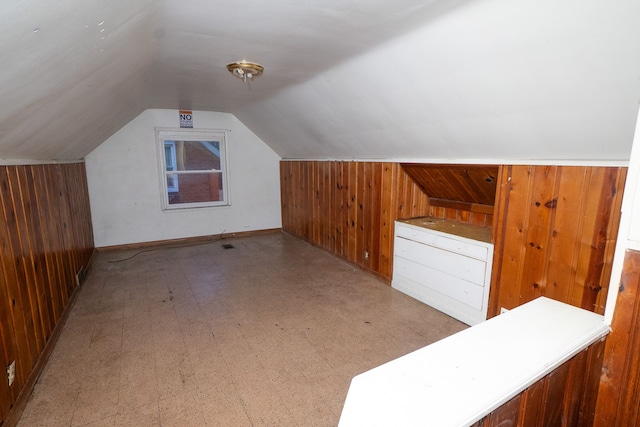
[57,232]
[593,284]
[349,208]
[12,323]
[542,211]
[367,227]
[505,415]
[401,194]
[39,177]
[591,375]
[327,200]
[17,286]
[22,203]
[574,389]
[345,226]
[285,197]
[555,232]
[352,212]
[317,223]
[531,408]
[299,183]
[566,236]
[586,243]
[7,351]
[361,199]
[61,203]
[67,206]
[498,232]
[376,212]
[564,397]
[36,252]
[508,274]
[45,238]
[309,196]
[387,201]
[618,401]
[554,392]
[339,207]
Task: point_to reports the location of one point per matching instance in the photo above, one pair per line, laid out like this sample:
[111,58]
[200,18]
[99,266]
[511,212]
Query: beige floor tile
[225,411]
[269,333]
[97,401]
[143,416]
[180,411]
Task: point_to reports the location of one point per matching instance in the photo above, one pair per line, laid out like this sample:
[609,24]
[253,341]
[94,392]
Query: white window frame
[173,134]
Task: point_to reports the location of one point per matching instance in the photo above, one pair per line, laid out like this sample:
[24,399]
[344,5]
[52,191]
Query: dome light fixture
[245,70]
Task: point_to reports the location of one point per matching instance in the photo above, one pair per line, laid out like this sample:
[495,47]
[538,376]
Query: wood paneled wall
[565,397]
[348,208]
[461,183]
[45,240]
[555,232]
[619,395]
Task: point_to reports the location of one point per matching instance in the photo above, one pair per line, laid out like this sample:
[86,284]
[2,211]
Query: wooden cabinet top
[468,231]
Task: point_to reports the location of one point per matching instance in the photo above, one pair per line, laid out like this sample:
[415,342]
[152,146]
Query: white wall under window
[126,203]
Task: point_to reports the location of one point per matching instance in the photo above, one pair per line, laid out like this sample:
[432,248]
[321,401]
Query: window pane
[172,183]
[198,188]
[197,155]
[170,158]
[170,163]
[205,183]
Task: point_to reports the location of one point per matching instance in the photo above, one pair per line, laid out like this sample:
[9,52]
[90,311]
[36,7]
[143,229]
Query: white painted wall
[125,194]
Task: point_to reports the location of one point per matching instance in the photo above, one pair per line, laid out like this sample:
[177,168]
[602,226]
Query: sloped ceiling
[474,184]
[465,80]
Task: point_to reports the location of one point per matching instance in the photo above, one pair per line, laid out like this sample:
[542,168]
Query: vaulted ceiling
[459,80]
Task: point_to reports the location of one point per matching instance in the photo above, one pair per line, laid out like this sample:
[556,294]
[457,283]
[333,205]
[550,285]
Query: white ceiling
[451,80]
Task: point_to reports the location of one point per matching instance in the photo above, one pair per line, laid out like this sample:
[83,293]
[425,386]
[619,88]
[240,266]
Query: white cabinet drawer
[456,288]
[429,237]
[462,247]
[463,267]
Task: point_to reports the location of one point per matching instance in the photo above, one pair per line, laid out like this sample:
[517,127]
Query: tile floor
[268,333]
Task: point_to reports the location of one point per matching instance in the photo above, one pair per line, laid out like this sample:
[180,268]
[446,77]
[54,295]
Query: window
[170,159]
[193,168]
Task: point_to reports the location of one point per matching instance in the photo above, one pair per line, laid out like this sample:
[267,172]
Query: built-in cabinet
[444,264]
[537,365]
[554,230]
[553,227]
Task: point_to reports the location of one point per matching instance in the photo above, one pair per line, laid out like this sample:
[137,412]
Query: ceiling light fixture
[245,70]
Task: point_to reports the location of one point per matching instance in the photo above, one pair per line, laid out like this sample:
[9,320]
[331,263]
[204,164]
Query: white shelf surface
[458,380]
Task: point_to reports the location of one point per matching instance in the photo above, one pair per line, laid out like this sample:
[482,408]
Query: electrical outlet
[11,373]
[366,255]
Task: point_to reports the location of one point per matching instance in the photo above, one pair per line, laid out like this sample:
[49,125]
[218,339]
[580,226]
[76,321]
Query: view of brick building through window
[194,171]
[197,187]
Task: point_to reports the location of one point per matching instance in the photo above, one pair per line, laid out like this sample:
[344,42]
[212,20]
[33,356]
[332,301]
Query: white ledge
[460,379]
